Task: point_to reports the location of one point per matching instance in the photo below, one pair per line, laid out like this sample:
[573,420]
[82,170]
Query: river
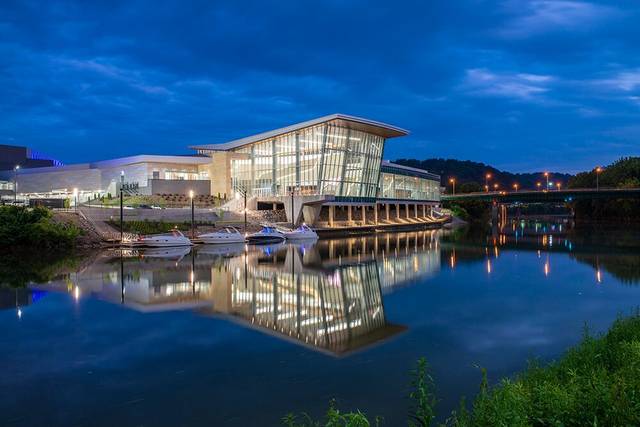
[242,335]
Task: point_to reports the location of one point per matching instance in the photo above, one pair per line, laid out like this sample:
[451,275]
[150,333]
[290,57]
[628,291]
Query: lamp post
[558,184]
[495,187]
[192,213]
[121,207]
[453,185]
[15,184]
[538,185]
[515,186]
[487,177]
[546,175]
[598,170]
[75,203]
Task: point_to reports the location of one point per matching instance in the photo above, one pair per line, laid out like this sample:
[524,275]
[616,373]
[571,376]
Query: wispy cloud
[521,86]
[537,17]
[626,81]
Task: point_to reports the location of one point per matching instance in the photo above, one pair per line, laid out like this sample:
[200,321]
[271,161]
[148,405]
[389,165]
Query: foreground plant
[596,383]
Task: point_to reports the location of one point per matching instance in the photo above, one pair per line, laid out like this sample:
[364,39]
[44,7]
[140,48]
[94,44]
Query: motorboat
[304,232]
[227,235]
[174,238]
[268,234]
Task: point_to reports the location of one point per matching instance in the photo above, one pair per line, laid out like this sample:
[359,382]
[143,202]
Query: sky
[521,85]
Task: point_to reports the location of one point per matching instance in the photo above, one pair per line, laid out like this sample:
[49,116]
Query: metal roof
[358,123]
[408,170]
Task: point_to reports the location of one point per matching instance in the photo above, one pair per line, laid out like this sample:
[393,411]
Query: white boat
[266,235]
[225,250]
[174,238]
[304,232]
[228,235]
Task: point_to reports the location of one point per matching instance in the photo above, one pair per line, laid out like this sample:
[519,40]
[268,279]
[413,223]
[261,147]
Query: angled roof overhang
[370,126]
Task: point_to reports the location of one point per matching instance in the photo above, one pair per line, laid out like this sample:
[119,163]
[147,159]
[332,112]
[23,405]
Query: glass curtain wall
[324,159]
[396,186]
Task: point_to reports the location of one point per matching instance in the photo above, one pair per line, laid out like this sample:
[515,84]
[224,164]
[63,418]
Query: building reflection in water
[327,295]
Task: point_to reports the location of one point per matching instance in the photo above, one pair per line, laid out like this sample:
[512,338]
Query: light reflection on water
[292,326]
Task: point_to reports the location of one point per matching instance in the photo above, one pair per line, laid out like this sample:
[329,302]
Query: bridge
[546,196]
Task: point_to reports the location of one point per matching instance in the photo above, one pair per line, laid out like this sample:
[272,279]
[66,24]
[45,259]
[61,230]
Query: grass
[596,383]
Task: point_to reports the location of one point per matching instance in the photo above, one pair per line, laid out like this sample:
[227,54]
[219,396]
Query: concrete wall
[82,179]
[177,186]
[220,173]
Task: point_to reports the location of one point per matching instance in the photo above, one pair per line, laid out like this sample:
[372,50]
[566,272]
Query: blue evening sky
[522,85]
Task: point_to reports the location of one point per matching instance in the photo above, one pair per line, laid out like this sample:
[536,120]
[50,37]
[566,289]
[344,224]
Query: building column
[415,209]
[375,216]
[386,208]
[364,215]
[331,214]
[424,211]
[274,207]
[349,213]
[397,211]
[407,209]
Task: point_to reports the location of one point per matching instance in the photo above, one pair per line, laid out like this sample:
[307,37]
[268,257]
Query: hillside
[470,176]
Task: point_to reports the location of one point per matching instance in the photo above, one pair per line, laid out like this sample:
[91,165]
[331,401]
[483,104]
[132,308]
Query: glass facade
[397,186]
[325,159]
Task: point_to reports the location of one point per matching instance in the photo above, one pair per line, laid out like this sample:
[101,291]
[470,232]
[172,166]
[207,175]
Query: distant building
[323,171]
[13,155]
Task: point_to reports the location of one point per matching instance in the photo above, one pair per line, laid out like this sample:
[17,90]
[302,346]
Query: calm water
[242,335]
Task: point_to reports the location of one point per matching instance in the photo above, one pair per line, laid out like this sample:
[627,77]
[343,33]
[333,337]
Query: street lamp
[121,206]
[192,213]
[453,184]
[515,186]
[546,175]
[538,185]
[558,184]
[598,170]
[487,177]
[75,196]
[495,186]
[15,184]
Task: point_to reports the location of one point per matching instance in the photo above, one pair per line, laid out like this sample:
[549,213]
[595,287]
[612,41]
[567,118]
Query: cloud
[626,81]
[520,86]
[531,18]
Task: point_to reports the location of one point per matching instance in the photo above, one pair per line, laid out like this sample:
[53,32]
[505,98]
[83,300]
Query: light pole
[121,206]
[192,213]
[515,186]
[538,185]
[75,203]
[598,170]
[453,185]
[15,184]
[487,177]
[558,184]
[495,187]
[546,175]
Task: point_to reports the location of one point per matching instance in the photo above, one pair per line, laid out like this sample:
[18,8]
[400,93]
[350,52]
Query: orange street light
[453,184]
[558,184]
[538,185]
[598,170]
[487,177]
[515,186]
[546,175]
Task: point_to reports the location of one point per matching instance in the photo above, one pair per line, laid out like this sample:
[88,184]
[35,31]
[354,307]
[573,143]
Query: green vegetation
[134,201]
[154,227]
[623,173]
[471,210]
[470,176]
[596,383]
[34,227]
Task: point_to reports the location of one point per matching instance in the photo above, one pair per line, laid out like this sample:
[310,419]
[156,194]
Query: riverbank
[594,383]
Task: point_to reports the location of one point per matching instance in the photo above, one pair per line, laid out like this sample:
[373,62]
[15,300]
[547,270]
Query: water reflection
[327,295]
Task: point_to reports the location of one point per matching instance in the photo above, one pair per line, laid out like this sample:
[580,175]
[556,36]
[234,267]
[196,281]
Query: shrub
[21,226]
